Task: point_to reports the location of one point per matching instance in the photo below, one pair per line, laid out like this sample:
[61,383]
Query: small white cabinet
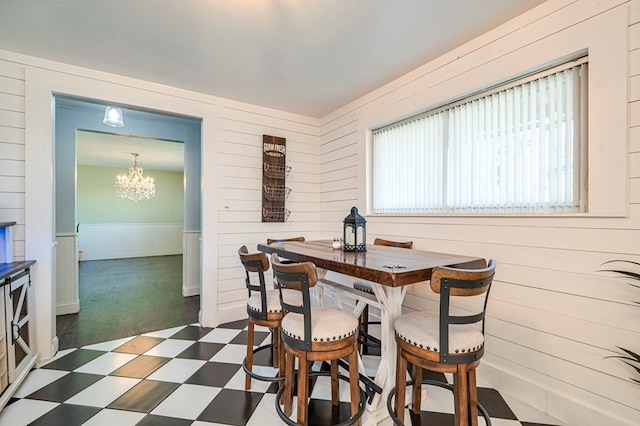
[17,356]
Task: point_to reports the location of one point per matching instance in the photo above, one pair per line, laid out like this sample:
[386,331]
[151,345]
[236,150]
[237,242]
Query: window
[516,148]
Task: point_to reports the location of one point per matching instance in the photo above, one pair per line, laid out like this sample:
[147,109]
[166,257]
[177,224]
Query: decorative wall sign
[274,174]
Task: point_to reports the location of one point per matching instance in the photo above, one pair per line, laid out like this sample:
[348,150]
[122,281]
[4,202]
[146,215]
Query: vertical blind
[519,148]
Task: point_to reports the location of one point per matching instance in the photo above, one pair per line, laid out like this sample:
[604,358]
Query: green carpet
[126,297]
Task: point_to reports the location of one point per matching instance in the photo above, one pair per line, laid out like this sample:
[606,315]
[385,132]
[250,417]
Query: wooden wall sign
[274,173]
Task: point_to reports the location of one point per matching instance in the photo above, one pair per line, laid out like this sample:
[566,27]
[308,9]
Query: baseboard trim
[235,312]
[190,291]
[130,255]
[68,308]
[555,403]
[54,349]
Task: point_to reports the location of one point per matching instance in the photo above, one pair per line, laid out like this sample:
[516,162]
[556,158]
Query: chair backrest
[292,275]
[255,263]
[401,244]
[299,276]
[280,240]
[457,282]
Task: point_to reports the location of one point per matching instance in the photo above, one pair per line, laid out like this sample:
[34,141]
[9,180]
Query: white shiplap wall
[240,183]
[234,162]
[553,318]
[12,151]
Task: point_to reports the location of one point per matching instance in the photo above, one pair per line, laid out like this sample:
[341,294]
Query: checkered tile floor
[193,376]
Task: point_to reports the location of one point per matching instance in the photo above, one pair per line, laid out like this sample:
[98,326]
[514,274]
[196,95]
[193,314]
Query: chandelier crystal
[135,186]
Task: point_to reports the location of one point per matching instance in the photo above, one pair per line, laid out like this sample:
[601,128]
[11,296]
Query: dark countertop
[7,269]
[4,224]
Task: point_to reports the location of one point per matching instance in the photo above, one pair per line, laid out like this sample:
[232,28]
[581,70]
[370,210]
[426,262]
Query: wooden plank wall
[553,318]
[239,171]
[240,194]
[12,151]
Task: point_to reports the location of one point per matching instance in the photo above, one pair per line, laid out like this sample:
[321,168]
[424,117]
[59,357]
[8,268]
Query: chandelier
[135,186]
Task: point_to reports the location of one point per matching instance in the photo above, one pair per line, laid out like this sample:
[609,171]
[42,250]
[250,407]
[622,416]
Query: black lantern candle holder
[355,232]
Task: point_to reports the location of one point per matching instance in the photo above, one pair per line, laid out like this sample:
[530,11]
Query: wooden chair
[445,342]
[279,240]
[315,333]
[264,309]
[365,340]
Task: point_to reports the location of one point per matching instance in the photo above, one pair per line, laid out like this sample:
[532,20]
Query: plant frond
[634,355]
[633,366]
[629,357]
[629,274]
[623,261]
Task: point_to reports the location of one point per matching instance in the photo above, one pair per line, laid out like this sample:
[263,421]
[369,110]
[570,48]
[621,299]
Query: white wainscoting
[122,240]
[191,266]
[67,298]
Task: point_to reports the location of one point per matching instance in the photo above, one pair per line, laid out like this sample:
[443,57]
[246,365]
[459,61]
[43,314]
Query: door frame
[41,86]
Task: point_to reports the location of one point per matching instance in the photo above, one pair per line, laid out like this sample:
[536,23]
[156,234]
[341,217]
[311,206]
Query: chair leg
[354,381]
[275,349]
[364,326]
[303,388]
[250,334]
[401,367]
[335,383]
[288,384]
[461,395]
[281,352]
[473,398]
[417,389]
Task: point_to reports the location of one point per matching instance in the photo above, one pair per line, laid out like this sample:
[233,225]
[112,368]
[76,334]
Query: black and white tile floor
[193,376]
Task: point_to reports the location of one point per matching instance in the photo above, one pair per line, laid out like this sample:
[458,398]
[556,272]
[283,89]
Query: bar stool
[280,240]
[315,333]
[263,309]
[445,343]
[366,340]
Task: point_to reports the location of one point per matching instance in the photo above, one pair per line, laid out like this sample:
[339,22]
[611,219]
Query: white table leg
[391,300]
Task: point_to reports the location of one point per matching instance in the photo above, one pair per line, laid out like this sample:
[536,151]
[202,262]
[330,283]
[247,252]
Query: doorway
[106,227]
[41,88]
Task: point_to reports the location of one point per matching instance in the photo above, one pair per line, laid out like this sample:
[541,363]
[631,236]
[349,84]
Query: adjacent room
[129,229]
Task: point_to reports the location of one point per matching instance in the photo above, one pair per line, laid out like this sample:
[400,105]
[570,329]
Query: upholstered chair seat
[363,286]
[342,325]
[254,302]
[422,329]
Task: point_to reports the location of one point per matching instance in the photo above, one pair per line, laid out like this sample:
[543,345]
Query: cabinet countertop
[7,269]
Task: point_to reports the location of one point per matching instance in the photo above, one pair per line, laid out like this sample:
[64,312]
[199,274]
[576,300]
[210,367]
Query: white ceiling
[304,56]
[112,150]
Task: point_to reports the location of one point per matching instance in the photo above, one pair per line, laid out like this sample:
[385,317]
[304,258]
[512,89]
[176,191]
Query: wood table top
[389,266]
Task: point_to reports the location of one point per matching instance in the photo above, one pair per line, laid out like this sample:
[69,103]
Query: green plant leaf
[623,261]
[634,275]
[629,357]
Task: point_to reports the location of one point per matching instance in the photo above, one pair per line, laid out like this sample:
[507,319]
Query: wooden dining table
[389,270]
